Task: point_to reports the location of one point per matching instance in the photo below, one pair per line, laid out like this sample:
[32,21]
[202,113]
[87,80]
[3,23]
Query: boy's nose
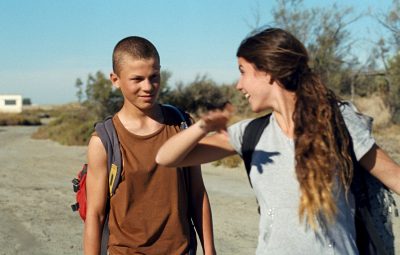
[147,85]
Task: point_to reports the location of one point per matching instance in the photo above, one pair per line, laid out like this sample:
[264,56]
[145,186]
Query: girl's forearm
[174,151]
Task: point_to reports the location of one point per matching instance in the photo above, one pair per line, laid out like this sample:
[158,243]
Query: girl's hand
[216,120]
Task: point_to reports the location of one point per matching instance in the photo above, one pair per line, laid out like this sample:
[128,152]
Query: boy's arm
[96,195]
[202,217]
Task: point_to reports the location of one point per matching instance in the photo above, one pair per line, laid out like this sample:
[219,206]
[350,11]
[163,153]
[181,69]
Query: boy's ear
[114,79]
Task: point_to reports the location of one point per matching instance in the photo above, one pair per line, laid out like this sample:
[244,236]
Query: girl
[301,168]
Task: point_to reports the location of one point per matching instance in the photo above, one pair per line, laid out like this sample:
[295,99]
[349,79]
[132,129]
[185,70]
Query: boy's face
[139,81]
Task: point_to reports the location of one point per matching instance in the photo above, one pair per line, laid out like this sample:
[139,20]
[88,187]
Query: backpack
[106,131]
[108,136]
[374,203]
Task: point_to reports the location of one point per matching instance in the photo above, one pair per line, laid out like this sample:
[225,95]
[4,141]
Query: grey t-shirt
[277,190]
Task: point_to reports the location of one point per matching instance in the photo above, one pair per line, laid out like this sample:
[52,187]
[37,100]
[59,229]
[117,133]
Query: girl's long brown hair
[321,140]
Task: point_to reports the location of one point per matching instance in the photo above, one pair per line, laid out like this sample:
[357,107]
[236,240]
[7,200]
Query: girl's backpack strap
[251,136]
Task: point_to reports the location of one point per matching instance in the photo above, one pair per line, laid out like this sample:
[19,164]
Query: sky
[45,45]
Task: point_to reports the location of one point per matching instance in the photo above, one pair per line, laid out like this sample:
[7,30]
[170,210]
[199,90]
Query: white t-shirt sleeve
[360,129]
[236,132]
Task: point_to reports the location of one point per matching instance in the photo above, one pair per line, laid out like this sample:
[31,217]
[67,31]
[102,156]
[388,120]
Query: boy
[151,209]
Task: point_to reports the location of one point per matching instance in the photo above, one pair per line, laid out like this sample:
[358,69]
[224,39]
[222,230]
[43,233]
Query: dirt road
[36,194]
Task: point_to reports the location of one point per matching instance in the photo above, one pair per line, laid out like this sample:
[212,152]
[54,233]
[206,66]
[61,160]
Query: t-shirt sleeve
[236,135]
[360,129]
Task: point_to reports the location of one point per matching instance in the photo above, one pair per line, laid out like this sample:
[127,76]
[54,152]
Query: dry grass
[24,119]
[231,161]
[72,126]
[389,139]
[32,115]
[375,107]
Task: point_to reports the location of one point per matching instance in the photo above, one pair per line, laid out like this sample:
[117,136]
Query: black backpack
[106,131]
[375,205]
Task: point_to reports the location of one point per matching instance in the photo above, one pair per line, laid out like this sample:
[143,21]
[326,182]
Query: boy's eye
[154,77]
[136,79]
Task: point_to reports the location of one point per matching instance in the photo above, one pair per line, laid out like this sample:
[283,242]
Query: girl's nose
[239,85]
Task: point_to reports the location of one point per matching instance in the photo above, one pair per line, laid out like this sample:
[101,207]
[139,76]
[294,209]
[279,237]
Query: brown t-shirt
[149,210]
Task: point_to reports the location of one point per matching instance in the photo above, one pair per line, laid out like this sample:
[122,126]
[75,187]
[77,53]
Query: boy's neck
[141,122]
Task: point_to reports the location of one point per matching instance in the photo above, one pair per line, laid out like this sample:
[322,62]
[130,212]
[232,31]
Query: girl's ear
[270,79]
[115,80]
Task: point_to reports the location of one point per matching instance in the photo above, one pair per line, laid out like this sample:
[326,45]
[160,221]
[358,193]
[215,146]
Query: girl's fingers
[215,120]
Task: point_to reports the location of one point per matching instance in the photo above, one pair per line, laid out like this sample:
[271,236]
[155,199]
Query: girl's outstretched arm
[379,164]
[194,146]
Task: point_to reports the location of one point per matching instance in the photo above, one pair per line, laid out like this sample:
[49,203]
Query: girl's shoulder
[359,126]
[235,132]
[241,125]
[353,117]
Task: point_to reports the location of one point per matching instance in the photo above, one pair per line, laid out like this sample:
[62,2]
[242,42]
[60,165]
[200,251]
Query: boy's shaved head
[135,47]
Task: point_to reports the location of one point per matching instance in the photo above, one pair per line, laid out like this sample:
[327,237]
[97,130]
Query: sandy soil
[36,194]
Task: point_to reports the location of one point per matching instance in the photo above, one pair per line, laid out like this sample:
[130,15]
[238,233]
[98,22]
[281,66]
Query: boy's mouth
[147,96]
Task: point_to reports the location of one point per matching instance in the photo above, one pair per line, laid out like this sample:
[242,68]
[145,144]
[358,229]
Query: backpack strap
[108,136]
[251,136]
[183,116]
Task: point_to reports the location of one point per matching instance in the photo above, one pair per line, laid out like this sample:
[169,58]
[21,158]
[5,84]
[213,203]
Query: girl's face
[257,86]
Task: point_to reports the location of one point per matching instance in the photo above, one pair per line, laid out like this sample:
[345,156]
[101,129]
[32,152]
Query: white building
[11,103]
